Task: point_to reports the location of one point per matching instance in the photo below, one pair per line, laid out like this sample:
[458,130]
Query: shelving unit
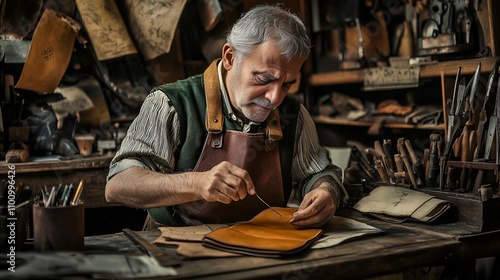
[445,71]
[431,70]
[327,120]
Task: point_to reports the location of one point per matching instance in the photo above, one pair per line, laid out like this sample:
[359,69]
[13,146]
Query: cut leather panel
[49,54]
[267,235]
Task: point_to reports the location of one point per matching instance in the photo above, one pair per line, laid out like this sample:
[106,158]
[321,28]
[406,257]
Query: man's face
[260,82]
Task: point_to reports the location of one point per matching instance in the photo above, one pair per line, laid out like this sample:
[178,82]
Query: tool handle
[388,153]
[381,171]
[427,153]
[406,160]
[433,161]
[411,152]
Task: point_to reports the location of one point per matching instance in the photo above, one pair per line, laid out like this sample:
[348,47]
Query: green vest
[188,98]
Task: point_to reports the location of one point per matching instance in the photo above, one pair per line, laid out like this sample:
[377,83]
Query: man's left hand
[316,209]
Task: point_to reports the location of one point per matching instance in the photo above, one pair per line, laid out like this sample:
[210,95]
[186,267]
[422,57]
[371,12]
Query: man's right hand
[224,183]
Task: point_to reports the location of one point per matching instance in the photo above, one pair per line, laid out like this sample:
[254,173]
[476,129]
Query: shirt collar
[225,98]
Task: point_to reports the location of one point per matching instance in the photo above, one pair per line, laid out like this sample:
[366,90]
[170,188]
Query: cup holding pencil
[58,220]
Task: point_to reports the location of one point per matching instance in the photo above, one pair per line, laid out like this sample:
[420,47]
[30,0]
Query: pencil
[78,193]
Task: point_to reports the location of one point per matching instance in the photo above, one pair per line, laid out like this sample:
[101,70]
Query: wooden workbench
[401,248]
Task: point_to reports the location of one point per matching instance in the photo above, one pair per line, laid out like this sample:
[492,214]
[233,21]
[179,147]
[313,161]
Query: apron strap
[214,120]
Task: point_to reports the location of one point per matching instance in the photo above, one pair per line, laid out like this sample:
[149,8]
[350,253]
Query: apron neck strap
[214,120]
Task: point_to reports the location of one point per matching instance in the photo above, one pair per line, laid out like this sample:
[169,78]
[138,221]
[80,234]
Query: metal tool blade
[455,90]
[491,78]
[497,114]
[161,256]
[268,206]
[460,97]
[475,82]
[489,138]
[451,112]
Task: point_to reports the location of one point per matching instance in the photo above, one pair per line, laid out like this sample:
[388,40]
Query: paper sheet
[340,230]
[106,29]
[153,24]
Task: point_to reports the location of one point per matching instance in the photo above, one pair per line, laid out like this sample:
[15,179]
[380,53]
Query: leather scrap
[266,235]
[393,107]
[49,54]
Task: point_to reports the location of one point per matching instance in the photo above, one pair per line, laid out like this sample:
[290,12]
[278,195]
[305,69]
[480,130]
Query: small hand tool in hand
[260,198]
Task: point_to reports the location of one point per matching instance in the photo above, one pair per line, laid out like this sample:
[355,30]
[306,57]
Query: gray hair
[264,22]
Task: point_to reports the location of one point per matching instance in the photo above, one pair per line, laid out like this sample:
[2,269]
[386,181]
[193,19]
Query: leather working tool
[389,159]
[467,176]
[268,206]
[461,116]
[493,128]
[363,162]
[416,164]
[482,114]
[380,150]
[404,155]
[462,145]
[427,154]
[451,112]
[381,171]
[400,168]
[162,257]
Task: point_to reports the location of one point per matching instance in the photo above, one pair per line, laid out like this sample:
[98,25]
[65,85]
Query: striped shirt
[154,137]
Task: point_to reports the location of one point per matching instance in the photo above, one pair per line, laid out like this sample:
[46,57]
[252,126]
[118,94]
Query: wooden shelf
[426,71]
[60,165]
[327,120]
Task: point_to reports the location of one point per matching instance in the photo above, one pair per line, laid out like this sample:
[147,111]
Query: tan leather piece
[267,234]
[49,54]
[214,120]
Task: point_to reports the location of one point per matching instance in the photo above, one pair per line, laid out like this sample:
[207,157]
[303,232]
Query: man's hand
[225,182]
[316,209]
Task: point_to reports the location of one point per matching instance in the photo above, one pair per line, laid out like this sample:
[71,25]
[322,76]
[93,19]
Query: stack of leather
[266,235]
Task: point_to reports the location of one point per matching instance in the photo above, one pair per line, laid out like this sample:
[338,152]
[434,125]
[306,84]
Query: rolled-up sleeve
[310,160]
[151,139]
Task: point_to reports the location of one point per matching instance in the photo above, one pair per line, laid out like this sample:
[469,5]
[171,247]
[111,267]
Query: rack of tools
[461,166]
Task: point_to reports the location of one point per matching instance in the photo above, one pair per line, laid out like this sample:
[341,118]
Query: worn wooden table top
[401,246]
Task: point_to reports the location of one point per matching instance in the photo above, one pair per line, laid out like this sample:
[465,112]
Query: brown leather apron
[257,153]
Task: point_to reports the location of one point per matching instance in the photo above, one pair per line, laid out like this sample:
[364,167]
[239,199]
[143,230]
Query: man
[202,149]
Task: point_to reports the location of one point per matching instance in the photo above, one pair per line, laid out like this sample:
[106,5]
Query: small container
[58,228]
[85,143]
